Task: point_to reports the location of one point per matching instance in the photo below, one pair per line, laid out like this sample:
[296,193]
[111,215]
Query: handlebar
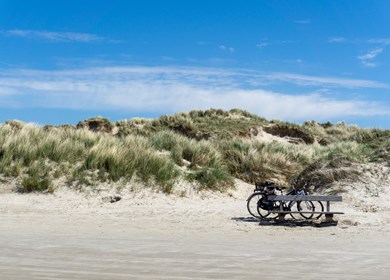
[270,186]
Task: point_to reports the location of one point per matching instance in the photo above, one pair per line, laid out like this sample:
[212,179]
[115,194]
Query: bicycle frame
[264,207]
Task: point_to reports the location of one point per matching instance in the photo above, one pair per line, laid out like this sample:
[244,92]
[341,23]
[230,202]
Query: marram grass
[82,150]
[209,147]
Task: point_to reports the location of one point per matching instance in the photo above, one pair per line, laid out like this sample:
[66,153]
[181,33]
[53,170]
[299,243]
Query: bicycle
[259,206]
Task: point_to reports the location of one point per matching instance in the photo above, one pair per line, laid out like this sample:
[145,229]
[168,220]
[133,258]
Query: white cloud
[54,36]
[303,21]
[7,90]
[383,41]
[306,80]
[369,64]
[167,58]
[337,40]
[371,54]
[162,89]
[265,43]
[262,45]
[367,59]
[225,48]
[203,43]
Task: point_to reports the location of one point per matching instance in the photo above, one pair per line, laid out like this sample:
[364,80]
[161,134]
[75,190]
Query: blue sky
[64,61]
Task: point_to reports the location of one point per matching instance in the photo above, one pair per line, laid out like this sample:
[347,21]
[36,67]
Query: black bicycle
[260,206]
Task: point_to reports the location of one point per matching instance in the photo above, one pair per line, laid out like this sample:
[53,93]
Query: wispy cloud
[7,90]
[53,36]
[337,40]
[367,59]
[306,80]
[303,21]
[203,43]
[227,49]
[265,43]
[154,89]
[167,58]
[383,41]
[262,45]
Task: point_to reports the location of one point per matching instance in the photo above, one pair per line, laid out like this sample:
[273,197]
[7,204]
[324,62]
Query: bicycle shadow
[284,223]
[245,219]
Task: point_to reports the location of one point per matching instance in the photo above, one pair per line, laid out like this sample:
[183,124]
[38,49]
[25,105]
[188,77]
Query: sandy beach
[150,235]
[132,134]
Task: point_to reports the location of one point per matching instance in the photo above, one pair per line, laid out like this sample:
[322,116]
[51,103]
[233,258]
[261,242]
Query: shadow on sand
[285,223]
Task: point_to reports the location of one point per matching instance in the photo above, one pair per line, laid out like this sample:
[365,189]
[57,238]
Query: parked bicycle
[260,206]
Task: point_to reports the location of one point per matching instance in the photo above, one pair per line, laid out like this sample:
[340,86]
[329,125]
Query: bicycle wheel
[318,207]
[265,213]
[293,206]
[264,206]
[252,205]
[306,206]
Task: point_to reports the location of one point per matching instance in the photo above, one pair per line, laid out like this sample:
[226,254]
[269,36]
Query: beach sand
[187,235]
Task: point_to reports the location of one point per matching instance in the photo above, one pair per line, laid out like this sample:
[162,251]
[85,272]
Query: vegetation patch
[37,178]
[210,147]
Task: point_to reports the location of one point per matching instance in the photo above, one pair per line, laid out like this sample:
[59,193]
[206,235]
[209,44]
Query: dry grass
[83,150]
[210,147]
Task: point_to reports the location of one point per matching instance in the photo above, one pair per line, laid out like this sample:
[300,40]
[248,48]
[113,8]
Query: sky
[65,61]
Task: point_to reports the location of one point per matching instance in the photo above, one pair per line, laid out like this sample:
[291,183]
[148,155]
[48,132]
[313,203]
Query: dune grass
[209,147]
[83,150]
[205,162]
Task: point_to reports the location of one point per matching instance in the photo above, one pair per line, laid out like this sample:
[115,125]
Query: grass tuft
[37,178]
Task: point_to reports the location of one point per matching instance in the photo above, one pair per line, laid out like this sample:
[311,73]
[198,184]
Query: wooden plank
[305,197]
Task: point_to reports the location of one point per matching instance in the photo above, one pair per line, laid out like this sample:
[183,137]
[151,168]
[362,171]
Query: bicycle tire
[269,215]
[306,206]
[293,206]
[318,207]
[252,205]
[264,213]
[314,206]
